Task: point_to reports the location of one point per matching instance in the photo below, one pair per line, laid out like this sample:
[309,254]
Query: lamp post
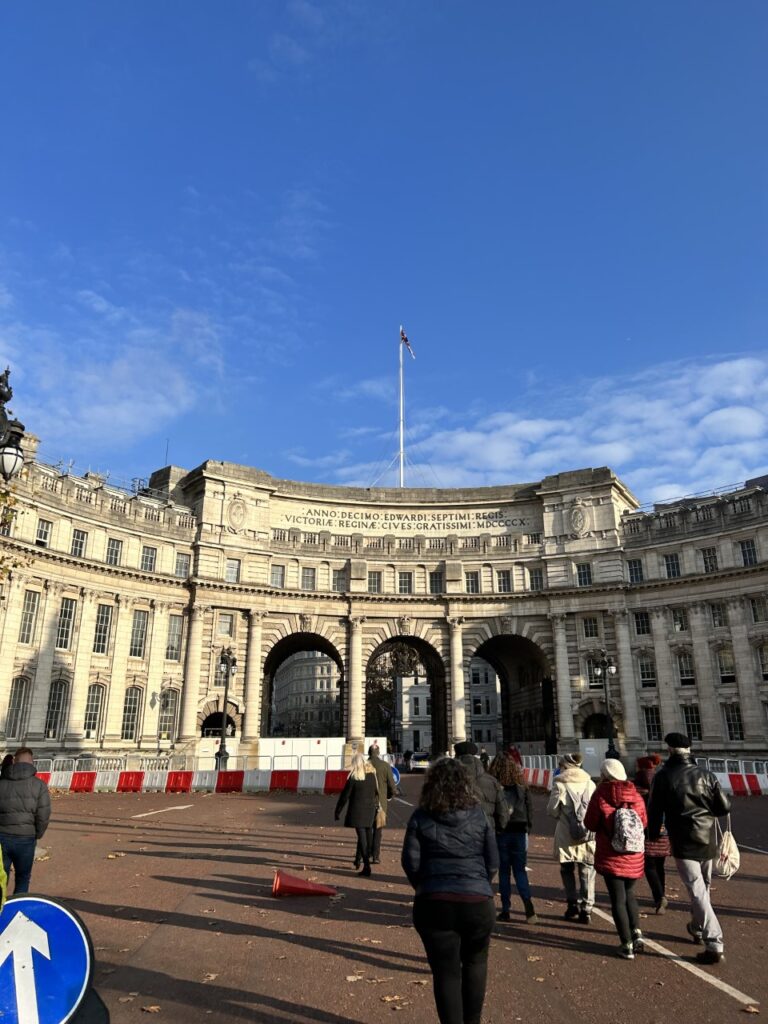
[227,671]
[11,433]
[606,669]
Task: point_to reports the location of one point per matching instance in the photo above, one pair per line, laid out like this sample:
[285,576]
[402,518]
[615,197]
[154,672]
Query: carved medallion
[579,519]
[236,513]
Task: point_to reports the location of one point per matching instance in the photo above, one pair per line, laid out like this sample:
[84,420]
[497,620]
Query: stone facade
[114,615]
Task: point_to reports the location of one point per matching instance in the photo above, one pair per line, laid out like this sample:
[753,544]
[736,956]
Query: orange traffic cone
[290,885]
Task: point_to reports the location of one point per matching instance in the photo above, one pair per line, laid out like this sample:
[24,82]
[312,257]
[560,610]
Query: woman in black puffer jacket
[450,858]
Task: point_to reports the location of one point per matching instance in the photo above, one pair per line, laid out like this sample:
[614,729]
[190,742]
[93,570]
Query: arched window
[93,707]
[57,702]
[131,713]
[166,721]
[18,706]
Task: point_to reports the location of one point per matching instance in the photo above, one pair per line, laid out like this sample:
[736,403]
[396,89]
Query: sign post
[46,961]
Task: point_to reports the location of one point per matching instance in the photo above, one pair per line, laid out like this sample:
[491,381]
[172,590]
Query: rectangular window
[29,616]
[635,569]
[692,721]
[166,720]
[183,565]
[17,708]
[232,571]
[672,566]
[590,627]
[717,611]
[472,582]
[633,526]
[103,629]
[138,634]
[748,552]
[709,558]
[339,580]
[308,578]
[277,576]
[584,574]
[652,724]
[43,535]
[680,620]
[405,583]
[477,705]
[416,706]
[533,538]
[65,624]
[79,540]
[742,505]
[226,625]
[148,559]
[173,644]
[594,681]
[436,582]
[734,726]
[114,551]
[685,668]
[762,654]
[475,676]
[642,624]
[535,579]
[130,713]
[647,668]
[504,581]
[704,514]
[726,666]
[759,608]
[93,705]
[374,582]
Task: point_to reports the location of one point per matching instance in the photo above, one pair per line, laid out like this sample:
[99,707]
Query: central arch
[296,643]
[527,693]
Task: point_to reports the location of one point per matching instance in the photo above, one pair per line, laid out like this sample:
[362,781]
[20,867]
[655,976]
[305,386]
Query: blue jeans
[19,852]
[512,858]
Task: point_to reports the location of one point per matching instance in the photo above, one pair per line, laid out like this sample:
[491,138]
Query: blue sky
[214,218]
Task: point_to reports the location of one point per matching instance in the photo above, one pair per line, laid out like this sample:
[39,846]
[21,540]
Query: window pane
[183,564]
[173,645]
[166,722]
[642,623]
[66,620]
[709,559]
[103,629]
[29,616]
[130,713]
[504,581]
[436,582]
[79,538]
[93,705]
[339,580]
[672,566]
[233,570]
[226,624]
[374,582]
[405,583]
[17,708]
[718,615]
[277,576]
[55,711]
[652,723]
[536,579]
[148,559]
[590,628]
[584,574]
[114,551]
[138,634]
[748,552]
[635,567]
[473,582]
[43,535]
[733,722]
[692,721]
[308,579]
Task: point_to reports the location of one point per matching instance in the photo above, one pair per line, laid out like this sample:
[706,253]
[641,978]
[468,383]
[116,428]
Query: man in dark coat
[487,789]
[25,810]
[387,789]
[687,799]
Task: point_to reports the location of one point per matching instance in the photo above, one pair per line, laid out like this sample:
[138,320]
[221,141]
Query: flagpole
[402,416]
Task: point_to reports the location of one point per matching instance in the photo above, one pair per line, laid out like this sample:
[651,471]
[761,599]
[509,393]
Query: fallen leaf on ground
[150,1009]
[353,977]
[114,856]
[390,999]
[750,1009]
[533,959]
[209,977]
[538,979]
[125,999]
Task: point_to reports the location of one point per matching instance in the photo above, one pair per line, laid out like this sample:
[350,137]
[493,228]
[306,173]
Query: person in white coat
[571,792]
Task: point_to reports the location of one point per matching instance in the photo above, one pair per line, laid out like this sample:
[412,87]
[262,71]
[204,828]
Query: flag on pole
[404,339]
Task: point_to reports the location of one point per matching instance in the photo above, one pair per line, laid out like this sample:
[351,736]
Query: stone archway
[591,721]
[209,719]
[293,644]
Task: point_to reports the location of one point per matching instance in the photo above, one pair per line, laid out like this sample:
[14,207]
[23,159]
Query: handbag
[381,815]
[728,858]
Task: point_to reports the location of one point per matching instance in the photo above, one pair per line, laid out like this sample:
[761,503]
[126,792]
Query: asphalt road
[185,927]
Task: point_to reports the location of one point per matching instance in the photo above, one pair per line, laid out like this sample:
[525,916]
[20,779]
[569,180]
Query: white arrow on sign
[18,940]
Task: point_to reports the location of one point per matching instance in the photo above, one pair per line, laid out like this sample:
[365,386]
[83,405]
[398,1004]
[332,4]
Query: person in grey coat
[488,791]
[25,810]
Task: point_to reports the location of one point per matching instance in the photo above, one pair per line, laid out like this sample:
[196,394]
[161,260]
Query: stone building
[117,608]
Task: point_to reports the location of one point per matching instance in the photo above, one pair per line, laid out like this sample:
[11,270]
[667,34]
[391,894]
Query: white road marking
[178,807]
[710,978]
[752,849]
[401,801]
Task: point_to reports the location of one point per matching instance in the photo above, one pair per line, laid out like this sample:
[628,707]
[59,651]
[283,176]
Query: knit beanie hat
[613,769]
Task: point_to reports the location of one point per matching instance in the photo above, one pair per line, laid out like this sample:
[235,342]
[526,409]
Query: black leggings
[626,916]
[456,938]
[654,875]
[364,843]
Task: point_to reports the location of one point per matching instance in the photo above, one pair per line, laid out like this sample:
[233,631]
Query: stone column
[747,679]
[46,651]
[158,639]
[566,732]
[12,606]
[633,736]
[190,694]
[113,714]
[252,685]
[706,691]
[458,683]
[73,728]
[666,673]
[355,676]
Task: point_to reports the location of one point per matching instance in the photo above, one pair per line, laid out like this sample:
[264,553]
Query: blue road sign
[396,774]
[46,961]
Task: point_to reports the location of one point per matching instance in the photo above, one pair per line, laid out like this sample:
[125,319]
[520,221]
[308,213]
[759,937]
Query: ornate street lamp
[606,670]
[11,433]
[227,671]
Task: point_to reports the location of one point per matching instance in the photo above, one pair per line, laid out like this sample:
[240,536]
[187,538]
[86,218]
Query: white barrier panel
[312,763]
[154,780]
[205,780]
[60,780]
[106,782]
[256,780]
[284,763]
[312,781]
[725,782]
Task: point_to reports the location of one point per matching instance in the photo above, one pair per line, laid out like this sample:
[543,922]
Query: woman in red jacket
[616,857]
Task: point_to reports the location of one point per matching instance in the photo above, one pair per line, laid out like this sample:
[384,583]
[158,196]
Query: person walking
[385,780]
[25,810]
[361,798]
[513,840]
[571,792]
[615,860]
[656,850]
[487,789]
[450,858]
[688,799]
